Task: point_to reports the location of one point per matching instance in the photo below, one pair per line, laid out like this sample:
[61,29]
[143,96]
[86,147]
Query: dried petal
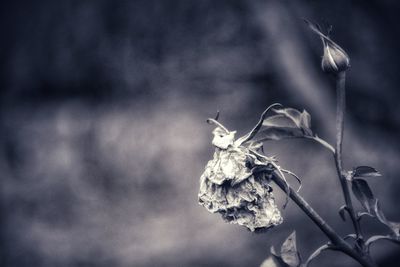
[222,139]
[235,186]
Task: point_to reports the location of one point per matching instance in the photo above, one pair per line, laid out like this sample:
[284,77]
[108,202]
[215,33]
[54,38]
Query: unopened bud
[335,59]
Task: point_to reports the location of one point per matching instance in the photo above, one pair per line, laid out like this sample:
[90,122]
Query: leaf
[289,253]
[271,261]
[256,128]
[279,121]
[375,238]
[275,259]
[278,133]
[289,256]
[363,193]
[393,226]
[301,119]
[363,214]
[316,253]
[288,123]
[325,39]
[365,171]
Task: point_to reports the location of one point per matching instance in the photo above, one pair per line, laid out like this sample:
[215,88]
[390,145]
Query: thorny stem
[338,243]
[340,111]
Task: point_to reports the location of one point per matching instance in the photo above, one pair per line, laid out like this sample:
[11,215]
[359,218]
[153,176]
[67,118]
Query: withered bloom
[235,183]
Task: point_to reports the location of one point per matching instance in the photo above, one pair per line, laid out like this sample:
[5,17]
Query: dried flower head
[235,182]
[334,59]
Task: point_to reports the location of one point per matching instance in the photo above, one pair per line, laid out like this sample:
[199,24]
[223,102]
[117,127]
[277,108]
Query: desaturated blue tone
[103,133]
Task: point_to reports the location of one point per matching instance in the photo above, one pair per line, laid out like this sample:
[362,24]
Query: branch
[336,240]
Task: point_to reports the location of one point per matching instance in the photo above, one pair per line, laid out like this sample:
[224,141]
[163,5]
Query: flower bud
[335,59]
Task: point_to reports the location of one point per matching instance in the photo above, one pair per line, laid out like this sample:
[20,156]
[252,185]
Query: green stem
[340,111]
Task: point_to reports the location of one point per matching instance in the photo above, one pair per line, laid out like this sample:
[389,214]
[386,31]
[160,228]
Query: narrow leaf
[325,39]
[289,253]
[365,171]
[316,253]
[363,193]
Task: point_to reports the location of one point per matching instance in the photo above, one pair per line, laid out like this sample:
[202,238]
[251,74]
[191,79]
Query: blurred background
[103,133]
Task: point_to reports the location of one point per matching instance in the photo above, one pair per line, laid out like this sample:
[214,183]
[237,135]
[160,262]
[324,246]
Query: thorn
[217,116]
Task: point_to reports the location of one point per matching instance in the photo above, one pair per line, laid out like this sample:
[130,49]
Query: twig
[336,240]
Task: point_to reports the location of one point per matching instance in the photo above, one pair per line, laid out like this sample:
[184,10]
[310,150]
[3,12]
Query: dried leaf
[289,253]
[363,193]
[365,171]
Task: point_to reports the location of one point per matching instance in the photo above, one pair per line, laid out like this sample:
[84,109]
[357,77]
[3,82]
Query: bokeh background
[103,133]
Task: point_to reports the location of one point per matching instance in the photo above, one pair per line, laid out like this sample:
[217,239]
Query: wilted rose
[235,184]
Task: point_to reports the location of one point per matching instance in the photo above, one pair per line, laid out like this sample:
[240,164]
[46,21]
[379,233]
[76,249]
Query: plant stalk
[338,242]
[340,111]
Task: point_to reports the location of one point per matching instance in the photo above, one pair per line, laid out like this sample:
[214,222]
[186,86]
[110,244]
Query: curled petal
[233,186]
